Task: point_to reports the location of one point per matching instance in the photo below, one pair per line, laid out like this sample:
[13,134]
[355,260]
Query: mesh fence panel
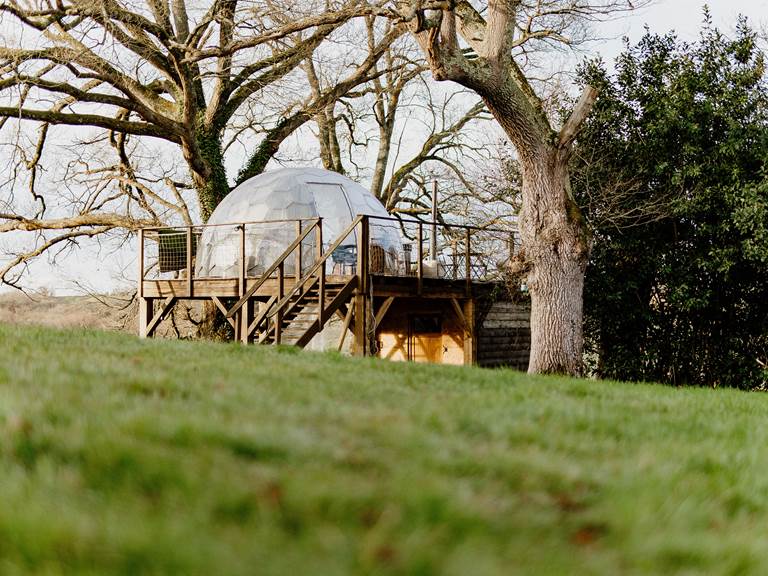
[166,252]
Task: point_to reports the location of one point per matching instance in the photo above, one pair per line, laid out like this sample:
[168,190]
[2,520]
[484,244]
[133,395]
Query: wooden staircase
[297,316]
[300,320]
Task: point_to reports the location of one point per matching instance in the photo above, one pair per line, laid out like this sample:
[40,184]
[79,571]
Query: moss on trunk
[214,187]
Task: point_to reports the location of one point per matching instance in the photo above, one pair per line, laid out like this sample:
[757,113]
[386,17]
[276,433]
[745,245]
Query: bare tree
[487,49]
[157,80]
[396,129]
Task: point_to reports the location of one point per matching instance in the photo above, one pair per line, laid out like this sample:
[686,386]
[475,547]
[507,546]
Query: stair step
[297,327]
[299,320]
[303,312]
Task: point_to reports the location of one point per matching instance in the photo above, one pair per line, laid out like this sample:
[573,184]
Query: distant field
[102,312]
[120,456]
[67,311]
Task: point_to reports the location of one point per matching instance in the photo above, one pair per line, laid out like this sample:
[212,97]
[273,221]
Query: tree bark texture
[555,253]
[554,239]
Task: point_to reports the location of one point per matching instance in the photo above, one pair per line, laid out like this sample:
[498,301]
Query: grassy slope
[122,456]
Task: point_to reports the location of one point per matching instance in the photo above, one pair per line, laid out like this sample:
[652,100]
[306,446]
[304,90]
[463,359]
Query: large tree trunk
[210,180]
[555,249]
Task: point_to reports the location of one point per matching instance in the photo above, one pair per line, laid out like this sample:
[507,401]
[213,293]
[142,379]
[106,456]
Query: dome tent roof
[286,194]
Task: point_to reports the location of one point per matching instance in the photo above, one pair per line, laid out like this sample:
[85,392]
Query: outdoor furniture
[378,259]
[407,250]
[345,259]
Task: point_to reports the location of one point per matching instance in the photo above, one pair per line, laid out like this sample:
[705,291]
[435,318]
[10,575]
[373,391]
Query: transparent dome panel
[273,205]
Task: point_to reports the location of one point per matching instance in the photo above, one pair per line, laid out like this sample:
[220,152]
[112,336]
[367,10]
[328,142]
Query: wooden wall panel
[504,339]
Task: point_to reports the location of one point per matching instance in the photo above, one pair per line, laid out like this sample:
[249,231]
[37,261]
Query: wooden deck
[385,286]
[276,307]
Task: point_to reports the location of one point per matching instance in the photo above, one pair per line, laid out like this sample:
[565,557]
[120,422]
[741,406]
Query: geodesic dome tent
[271,203]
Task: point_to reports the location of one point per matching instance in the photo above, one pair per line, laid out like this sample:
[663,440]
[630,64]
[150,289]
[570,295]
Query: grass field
[120,456]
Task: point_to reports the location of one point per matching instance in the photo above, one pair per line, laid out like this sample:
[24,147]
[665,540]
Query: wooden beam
[468,262]
[360,304]
[167,305]
[223,309]
[470,340]
[141,263]
[189,262]
[260,318]
[460,314]
[246,314]
[345,327]
[342,314]
[321,272]
[383,311]
[280,295]
[297,271]
[241,283]
[420,263]
[238,320]
[363,252]
[146,310]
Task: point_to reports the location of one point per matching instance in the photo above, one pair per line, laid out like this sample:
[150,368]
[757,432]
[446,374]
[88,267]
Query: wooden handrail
[141,263]
[321,262]
[447,225]
[227,224]
[288,251]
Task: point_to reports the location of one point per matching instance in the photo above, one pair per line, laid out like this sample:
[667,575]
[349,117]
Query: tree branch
[578,116]
[77,119]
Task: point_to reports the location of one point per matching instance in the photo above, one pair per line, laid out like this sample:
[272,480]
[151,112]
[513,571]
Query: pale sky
[99,270]
[685,18]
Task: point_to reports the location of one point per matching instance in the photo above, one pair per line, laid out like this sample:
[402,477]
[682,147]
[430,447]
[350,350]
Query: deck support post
[155,319]
[146,308]
[146,311]
[246,317]
[360,303]
[470,333]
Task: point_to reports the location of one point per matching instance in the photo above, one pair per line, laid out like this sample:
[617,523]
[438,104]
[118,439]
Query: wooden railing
[319,269]
[459,253]
[278,265]
[281,303]
[462,252]
[467,253]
